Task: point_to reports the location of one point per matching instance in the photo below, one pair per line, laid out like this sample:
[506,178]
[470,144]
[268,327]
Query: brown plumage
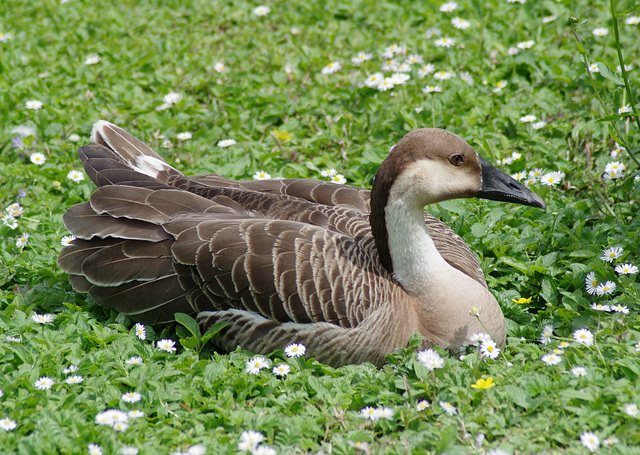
[287,261]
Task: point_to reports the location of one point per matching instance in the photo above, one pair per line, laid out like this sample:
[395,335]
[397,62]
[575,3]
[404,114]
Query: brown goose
[351,274]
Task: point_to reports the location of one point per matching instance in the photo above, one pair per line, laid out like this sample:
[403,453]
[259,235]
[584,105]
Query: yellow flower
[522,300]
[282,136]
[483,384]
[474,311]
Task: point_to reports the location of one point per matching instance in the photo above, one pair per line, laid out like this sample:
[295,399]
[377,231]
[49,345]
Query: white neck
[417,264]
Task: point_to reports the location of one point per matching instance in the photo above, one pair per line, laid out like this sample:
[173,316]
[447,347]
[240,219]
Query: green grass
[150,48]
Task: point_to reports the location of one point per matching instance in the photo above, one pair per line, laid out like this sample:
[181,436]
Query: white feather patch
[99,125]
[150,165]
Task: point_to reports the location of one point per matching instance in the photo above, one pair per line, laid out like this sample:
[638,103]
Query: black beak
[498,186]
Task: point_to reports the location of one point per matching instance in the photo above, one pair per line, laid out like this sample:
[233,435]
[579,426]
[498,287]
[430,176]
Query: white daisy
[445,42]
[94,449]
[625,109]
[422,405]
[131,397]
[490,349]
[432,89]
[526,44]
[374,80]
[528,118]
[166,345]
[610,254]
[172,98]
[256,364]
[442,75]
[129,450]
[136,360]
[42,318]
[92,59]
[583,336]
[44,383]
[430,359]
[220,67]
[15,210]
[339,179]
[249,440]
[328,173]
[448,7]
[426,69]
[70,369]
[7,424]
[261,175]
[590,441]
[331,68]
[448,408]
[551,359]
[632,20]
[226,143]
[547,19]
[619,308]
[385,84]
[76,379]
[632,410]
[579,371]
[600,31]
[593,68]
[389,65]
[141,332]
[460,23]
[281,370]
[500,85]
[513,51]
[261,10]
[184,136]
[591,283]
[76,176]
[135,414]
[22,240]
[600,307]
[433,31]
[608,287]
[552,178]
[9,221]
[545,335]
[361,58]
[34,105]
[466,77]
[626,269]
[295,350]
[38,158]
[539,125]
[414,59]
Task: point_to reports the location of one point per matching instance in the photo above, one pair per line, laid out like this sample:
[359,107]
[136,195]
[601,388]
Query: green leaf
[189,343]
[610,75]
[189,323]
[213,330]
[519,396]
[518,265]
[447,438]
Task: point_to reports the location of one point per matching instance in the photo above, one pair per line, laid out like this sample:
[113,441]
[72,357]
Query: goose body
[349,273]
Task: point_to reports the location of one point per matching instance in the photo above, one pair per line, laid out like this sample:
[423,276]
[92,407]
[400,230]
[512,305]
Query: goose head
[431,165]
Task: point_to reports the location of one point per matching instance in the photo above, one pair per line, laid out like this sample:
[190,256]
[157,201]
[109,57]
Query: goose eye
[456,160]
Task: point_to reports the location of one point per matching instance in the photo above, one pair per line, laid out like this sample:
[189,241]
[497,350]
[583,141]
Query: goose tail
[116,157]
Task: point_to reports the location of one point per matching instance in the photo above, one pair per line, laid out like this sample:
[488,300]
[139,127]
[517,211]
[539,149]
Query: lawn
[323,90]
